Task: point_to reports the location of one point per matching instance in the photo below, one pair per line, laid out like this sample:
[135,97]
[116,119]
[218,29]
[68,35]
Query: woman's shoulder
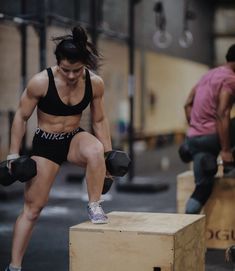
[39,78]
[38,83]
[96,79]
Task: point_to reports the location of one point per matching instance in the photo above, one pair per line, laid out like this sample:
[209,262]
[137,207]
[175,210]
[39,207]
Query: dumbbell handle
[12,156]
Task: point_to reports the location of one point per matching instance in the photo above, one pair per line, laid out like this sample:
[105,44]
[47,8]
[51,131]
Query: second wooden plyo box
[219,209]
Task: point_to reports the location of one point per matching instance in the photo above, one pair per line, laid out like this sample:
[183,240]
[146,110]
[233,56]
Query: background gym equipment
[132,183]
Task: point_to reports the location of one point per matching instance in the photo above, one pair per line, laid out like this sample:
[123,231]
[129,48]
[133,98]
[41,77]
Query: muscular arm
[223,121]
[27,104]
[189,104]
[99,119]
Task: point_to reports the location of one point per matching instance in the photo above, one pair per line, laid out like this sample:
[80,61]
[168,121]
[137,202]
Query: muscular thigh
[81,146]
[37,190]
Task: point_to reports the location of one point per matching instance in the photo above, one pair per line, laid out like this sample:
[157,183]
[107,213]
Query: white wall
[170,79]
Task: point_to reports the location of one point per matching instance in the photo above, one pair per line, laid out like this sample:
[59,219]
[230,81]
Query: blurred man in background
[207,110]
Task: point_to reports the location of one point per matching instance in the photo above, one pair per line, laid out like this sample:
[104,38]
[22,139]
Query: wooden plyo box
[141,242]
[219,209]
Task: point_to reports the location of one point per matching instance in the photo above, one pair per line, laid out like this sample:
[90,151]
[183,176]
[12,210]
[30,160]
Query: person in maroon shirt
[211,131]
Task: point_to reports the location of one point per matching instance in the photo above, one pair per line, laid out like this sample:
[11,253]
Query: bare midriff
[57,124]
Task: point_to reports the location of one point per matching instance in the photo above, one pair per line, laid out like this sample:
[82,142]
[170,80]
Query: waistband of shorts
[56,136]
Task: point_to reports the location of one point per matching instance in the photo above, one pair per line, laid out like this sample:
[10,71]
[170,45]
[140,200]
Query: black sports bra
[52,104]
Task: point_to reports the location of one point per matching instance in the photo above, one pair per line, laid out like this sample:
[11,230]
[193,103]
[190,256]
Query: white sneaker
[96,213]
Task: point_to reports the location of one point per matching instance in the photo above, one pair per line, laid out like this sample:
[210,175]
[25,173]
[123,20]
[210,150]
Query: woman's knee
[32,213]
[95,151]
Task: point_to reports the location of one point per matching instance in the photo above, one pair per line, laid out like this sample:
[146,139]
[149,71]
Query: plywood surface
[154,223]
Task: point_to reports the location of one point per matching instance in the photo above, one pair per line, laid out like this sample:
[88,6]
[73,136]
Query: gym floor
[49,246]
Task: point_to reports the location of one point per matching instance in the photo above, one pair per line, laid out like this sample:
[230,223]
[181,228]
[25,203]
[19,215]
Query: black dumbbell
[6,178]
[108,181]
[208,161]
[22,169]
[117,164]
[184,153]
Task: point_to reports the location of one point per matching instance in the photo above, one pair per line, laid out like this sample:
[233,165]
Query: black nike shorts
[53,146]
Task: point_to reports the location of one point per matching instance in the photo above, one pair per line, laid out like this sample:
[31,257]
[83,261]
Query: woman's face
[71,72]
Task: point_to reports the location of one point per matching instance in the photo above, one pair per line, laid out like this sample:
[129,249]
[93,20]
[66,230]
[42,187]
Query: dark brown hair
[230,56]
[76,47]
